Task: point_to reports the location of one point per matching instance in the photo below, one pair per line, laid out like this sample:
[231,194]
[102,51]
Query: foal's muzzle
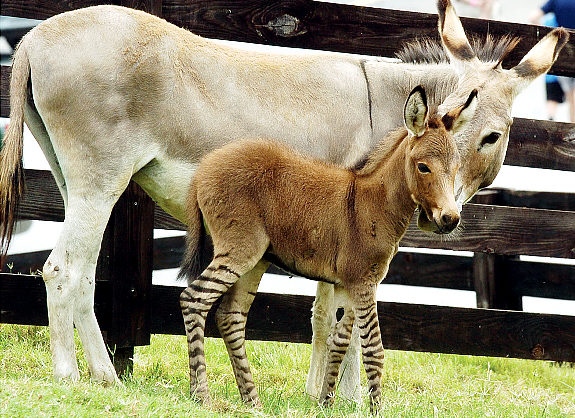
[443,223]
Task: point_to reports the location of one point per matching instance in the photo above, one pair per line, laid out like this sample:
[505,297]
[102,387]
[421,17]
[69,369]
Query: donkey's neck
[390,83]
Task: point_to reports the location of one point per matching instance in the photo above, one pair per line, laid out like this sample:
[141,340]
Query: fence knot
[538,352]
[285,26]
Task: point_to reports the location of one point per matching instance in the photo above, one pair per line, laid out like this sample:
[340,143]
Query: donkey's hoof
[106,376]
[66,373]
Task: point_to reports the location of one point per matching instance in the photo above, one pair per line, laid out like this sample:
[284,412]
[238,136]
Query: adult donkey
[112,94]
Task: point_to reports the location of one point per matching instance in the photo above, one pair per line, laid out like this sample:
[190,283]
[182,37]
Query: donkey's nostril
[446,219]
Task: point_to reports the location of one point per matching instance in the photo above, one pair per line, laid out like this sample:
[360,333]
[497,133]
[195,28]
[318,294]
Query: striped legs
[231,318]
[195,302]
[371,344]
[337,344]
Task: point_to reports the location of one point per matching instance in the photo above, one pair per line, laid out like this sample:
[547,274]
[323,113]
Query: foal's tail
[192,263]
[11,167]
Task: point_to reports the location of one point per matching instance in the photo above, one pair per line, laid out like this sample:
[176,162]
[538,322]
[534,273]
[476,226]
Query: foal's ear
[457,119]
[540,58]
[415,111]
[453,37]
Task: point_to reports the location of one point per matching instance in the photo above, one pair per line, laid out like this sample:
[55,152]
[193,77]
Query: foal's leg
[367,321]
[231,318]
[227,266]
[337,344]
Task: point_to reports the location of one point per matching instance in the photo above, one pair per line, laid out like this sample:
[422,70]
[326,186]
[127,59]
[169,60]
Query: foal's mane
[370,161]
[430,51]
[383,150]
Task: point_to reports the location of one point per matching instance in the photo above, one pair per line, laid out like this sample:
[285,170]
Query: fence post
[492,279]
[126,262]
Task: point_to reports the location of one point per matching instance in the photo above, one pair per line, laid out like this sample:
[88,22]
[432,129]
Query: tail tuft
[11,166]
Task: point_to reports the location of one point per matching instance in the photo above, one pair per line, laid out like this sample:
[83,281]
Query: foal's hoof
[201,397]
[255,403]
[328,400]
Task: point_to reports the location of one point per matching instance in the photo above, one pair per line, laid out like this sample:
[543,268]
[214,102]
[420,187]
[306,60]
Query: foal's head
[432,159]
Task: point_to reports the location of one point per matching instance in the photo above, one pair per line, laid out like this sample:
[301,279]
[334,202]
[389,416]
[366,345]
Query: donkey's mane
[430,51]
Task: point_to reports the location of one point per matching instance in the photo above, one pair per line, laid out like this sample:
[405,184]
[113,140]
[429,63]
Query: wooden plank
[338,27]
[42,199]
[515,231]
[23,300]
[553,237]
[5,72]
[502,230]
[554,281]
[309,24]
[505,230]
[286,318]
[404,327]
[530,199]
[542,144]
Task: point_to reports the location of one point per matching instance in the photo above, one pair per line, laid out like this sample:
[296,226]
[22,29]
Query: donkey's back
[110,82]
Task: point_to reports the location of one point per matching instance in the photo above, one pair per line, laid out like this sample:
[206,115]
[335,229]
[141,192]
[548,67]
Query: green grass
[415,384]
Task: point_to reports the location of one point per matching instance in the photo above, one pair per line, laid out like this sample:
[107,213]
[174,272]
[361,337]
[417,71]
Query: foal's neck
[384,178]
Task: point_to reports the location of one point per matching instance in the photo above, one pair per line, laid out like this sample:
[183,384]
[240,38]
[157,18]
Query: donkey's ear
[540,58]
[415,111]
[453,37]
[457,119]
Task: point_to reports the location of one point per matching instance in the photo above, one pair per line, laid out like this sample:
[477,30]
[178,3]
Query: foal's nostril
[449,222]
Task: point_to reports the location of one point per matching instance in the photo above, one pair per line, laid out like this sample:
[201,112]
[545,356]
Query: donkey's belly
[167,182]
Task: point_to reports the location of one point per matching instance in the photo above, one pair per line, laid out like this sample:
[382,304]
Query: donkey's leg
[337,343]
[322,321]
[196,300]
[349,375]
[231,318]
[69,278]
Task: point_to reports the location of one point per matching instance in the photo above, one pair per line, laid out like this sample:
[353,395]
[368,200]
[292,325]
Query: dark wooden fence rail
[499,226]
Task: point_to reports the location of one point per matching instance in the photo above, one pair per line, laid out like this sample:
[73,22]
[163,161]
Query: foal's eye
[423,168]
[491,138]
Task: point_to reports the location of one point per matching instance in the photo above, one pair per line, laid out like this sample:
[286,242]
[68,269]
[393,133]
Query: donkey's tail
[11,166]
[192,263]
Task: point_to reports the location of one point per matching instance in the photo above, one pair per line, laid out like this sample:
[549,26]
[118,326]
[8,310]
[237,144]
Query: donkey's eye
[492,138]
[423,168]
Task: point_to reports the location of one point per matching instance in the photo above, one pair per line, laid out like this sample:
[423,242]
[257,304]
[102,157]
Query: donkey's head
[482,145]
[433,159]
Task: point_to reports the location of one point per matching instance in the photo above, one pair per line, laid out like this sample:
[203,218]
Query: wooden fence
[499,226]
